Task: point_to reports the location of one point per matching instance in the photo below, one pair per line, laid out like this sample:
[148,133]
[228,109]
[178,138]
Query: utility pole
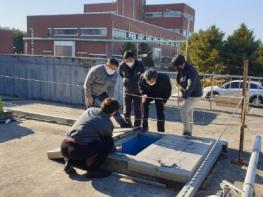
[239,161]
[187,37]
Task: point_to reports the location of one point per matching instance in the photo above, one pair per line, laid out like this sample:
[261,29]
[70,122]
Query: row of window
[122,34]
[181,31]
[168,14]
[78,32]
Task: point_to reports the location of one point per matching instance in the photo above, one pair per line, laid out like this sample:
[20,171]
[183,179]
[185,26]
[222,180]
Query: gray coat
[92,125]
[98,82]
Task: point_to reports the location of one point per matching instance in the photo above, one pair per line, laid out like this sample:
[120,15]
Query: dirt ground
[26,171]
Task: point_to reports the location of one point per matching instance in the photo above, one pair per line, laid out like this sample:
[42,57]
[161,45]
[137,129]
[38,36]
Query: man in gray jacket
[99,85]
[91,135]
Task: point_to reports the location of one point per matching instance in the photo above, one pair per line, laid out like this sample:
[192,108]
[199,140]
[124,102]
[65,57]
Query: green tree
[146,55]
[257,69]
[128,46]
[18,36]
[204,50]
[239,46]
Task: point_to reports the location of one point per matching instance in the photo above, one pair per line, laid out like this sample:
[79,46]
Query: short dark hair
[128,54]
[110,105]
[178,60]
[113,61]
[151,74]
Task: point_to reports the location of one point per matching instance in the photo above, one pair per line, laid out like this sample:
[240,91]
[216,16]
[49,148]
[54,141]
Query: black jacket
[131,76]
[162,88]
[189,81]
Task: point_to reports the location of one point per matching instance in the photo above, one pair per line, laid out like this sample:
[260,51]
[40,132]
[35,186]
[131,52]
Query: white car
[234,88]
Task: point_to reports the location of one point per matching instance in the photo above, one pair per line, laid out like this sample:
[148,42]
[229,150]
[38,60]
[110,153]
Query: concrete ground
[26,171]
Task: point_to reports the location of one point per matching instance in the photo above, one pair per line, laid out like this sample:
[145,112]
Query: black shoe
[69,169]
[98,174]
[186,133]
[128,123]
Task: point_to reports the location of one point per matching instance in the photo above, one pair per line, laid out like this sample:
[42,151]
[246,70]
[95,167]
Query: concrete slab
[175,158]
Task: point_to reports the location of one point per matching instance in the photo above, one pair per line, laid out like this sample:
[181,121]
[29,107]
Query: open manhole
[138,143]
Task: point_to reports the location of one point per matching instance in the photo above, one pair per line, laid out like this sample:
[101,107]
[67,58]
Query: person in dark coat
[156,87]
[191,89]
[130,71]
[91,136]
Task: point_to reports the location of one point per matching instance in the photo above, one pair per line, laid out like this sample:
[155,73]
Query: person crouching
[91,135]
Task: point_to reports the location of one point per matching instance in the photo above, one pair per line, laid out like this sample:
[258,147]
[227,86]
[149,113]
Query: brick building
[6,41]
[104,27]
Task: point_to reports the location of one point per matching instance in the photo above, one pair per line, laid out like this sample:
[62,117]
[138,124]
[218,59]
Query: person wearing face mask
[130,71]
[99,85]
[191,90]
[155,87]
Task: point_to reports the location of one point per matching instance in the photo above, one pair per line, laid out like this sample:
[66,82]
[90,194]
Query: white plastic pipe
[248,187]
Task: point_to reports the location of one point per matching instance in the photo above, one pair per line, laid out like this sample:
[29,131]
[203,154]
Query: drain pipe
[248,187]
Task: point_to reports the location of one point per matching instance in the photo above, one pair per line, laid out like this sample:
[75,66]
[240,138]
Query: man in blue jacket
[191,89]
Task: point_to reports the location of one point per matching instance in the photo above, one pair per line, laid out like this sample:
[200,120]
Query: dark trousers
[137,107]
[117,116]
[159,105]
[80,153]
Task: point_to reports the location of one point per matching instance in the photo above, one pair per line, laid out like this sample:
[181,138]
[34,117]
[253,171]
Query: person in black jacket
[191,88]
[155,86]
[130,71]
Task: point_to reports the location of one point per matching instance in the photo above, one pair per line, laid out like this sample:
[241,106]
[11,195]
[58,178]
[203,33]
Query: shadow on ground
[172,114]
[13,131]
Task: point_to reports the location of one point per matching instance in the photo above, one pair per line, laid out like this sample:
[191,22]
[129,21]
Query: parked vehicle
[234,88]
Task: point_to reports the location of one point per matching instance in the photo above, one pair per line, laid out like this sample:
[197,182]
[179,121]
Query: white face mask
[109,71]
[130,64]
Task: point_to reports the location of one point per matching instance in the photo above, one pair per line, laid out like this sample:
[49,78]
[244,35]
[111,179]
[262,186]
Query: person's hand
[117,148]
[89,101]
[144,97]
[164,101]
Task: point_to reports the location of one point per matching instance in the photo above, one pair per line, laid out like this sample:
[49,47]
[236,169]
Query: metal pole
[248,186]
[187,38]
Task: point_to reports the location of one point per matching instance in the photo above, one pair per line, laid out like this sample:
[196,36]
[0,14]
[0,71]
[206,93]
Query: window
[153,14]
[64,48]
[188,16]
[132,35]
[172,14]
[117,33]
[65,31]
[254,86]
[140,37]
[93,31]
[235,85]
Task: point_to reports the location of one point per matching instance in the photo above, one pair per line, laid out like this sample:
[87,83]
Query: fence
[61,80]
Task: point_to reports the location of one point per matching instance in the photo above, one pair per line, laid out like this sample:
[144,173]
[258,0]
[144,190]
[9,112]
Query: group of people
[91,135]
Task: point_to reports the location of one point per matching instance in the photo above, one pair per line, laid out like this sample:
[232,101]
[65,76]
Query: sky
[225,14]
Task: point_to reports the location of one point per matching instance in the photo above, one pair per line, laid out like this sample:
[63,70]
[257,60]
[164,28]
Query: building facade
[6,41]
[103,28]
